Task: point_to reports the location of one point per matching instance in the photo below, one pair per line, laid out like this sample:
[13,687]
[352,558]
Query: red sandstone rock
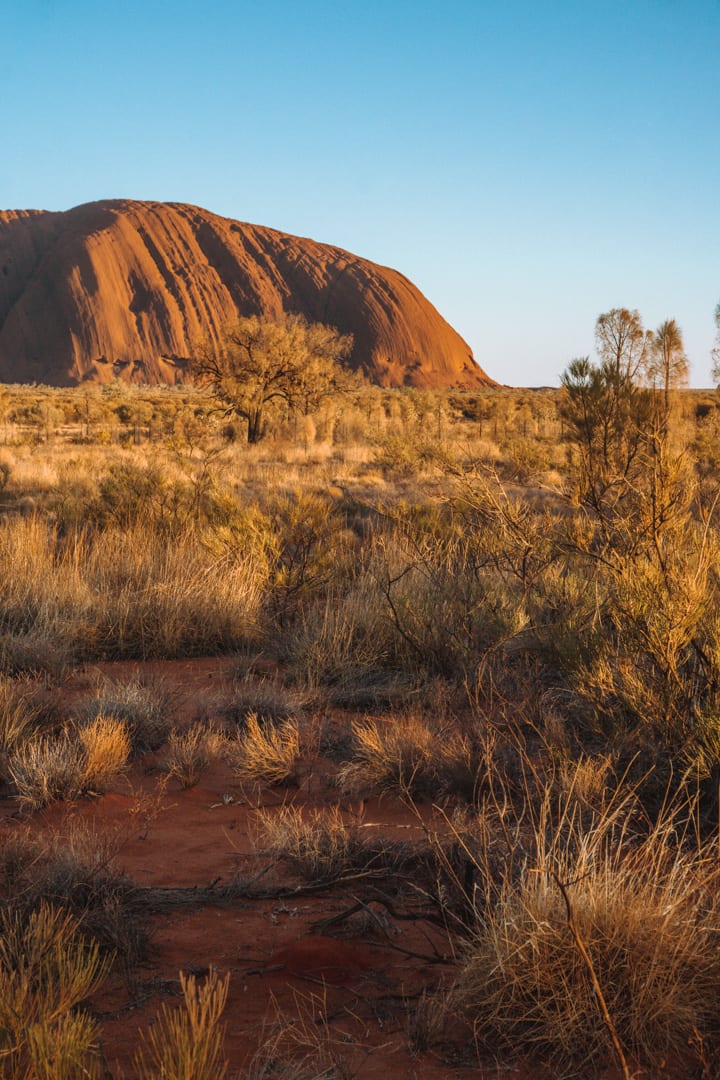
[123,288]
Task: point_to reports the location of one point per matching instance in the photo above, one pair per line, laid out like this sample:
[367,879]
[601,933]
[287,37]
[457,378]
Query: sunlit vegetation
[515,595]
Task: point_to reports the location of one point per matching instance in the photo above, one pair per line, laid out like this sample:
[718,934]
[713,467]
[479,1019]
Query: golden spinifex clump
[187,1043]
[46,970]
[266,753]
[590,937]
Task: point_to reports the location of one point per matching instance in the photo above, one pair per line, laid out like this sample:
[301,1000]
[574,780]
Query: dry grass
[366,584]
[124,593]
[143,705]
[190,752]
[410,756]
[321,845]
[266,754]
[647,914]
[46,971]
[48,769]
[266,699]
[74,762]
[343,649]
[74,869]
[106,748]
[18,720]
[301,1045]
[187,1044]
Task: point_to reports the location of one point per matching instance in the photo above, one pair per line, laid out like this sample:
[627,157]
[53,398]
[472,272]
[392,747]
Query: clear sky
[528,164]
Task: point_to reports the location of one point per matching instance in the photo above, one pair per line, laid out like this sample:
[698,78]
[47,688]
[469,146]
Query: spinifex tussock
[320,845]
[142,705]
[409,755]
[18,720]
[647,915]
[266,754]
[70,763]
[300,1044]
[74,869]
[190,752]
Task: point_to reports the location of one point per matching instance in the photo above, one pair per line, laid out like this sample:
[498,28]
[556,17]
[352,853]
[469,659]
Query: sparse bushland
[312,550]
[299,1045]
[552,563]
[106,746]
[262,362]
[344,648]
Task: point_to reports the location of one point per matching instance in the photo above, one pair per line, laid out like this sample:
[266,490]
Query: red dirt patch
[325,958]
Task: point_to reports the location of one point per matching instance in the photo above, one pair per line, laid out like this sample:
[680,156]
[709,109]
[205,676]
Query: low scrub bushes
[410,756]
[346,650]
[74,762]
[48,769]
[142,706]
[190,752]
[105,745]
[74,871]
[321,845]
[267,699]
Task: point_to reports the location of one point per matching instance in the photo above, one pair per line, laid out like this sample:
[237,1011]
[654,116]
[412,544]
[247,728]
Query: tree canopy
[618,412]
[260,361]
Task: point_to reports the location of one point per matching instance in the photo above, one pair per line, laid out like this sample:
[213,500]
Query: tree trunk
[255,425]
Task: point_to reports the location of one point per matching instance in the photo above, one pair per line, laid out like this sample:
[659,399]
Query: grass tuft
[641,918]
[266,754]
[408,755]
[142,705]
[190,752]
[46,971]
[106,748]
[187,1044]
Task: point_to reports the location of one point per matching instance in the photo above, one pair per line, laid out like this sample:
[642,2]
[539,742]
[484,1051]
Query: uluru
[125,288]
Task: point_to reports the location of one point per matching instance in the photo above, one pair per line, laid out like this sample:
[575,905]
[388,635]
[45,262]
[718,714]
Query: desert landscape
[360,541]
[385,742]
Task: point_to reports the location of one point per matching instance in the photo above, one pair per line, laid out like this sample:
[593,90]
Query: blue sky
[527,164]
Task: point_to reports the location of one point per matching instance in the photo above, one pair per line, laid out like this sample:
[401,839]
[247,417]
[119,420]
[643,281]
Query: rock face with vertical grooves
[125,288]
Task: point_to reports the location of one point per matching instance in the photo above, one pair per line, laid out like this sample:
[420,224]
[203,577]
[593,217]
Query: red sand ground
[348,998]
